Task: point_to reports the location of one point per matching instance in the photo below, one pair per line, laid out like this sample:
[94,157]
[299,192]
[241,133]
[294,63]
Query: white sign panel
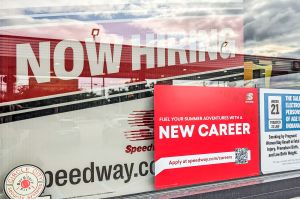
[280,130]
[97,152]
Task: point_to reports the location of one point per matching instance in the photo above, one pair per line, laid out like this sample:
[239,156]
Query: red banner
[45,61]
[204,134]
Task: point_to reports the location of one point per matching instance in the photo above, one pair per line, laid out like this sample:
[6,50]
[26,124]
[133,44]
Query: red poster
[205,134]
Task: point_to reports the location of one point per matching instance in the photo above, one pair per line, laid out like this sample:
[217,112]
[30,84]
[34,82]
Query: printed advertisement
[97,152]
[280,130]
[204,134]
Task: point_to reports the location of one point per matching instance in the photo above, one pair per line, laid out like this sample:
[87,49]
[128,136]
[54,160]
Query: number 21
[275,109]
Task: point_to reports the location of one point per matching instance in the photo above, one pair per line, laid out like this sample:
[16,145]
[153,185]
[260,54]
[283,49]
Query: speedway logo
[131,149]
[249,97]
[28,181]
[142,123]
[94,173]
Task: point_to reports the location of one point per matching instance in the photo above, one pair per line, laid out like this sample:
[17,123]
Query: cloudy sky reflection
[271,28]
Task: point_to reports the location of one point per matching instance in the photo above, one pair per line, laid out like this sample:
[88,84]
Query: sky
[270,27]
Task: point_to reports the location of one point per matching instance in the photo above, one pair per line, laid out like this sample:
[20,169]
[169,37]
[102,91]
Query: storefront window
[77,79]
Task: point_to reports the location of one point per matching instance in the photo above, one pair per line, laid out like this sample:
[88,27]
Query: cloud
[272,28]
[292,54]
[19,15]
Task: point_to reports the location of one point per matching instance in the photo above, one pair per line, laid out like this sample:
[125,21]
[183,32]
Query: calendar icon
[275,112]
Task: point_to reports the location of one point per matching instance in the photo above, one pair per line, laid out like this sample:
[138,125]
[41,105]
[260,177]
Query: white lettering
[231,129]
[187,131]
[59,59]
[161,51]
[164,132]
[175,46]
[246,128]
[97,62]
[201,133]
[202,42]
[138,51]
[26,59]
[174,131]
[208,44]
